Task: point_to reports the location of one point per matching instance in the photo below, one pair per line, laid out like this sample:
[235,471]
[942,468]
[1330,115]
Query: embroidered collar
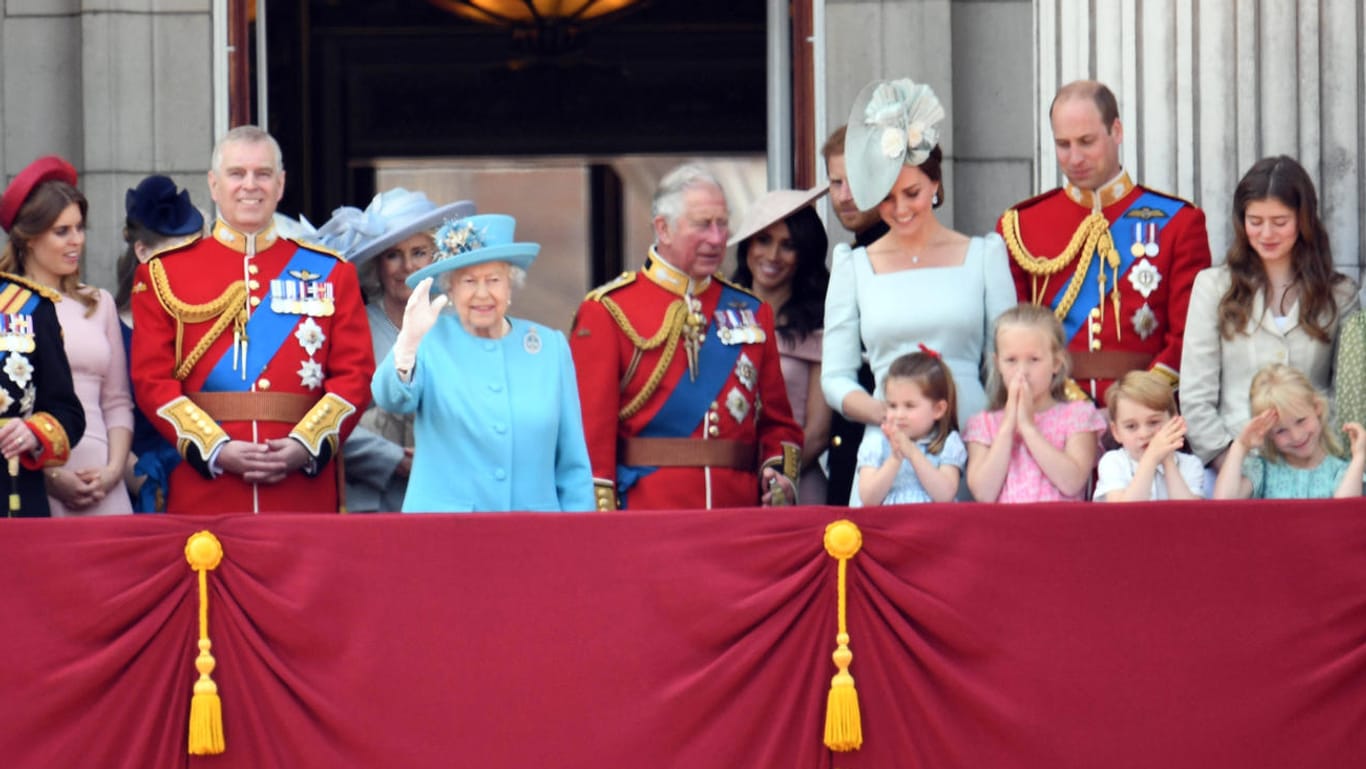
[244,243]
[1109,193]
[670,278]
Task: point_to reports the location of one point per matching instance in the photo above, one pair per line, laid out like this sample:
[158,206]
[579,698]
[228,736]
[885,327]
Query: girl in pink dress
[1034,445]
[91,482]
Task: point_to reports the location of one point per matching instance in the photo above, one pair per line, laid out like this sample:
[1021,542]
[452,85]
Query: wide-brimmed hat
[475,240]
[392,217]
[773,206]
[893,123]
[41,170]
[157,205]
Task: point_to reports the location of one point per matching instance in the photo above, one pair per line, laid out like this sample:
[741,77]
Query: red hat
[39,171]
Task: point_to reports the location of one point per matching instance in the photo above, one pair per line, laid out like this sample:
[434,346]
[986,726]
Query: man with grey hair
[683,398]
[251,351]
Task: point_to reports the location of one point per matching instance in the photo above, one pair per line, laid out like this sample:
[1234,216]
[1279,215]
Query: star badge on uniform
[5,401]
[1144,277]
[1145,321]
[310,336]
[746,372]
[311,374]
[18,369]
[737,404]
[26,403]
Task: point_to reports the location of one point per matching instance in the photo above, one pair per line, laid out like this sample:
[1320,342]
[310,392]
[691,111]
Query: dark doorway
[354,80]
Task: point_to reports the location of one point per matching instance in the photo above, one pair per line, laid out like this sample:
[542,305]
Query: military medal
[18,369]
[16,332]
[737,404]
[746,372]
[1137,248]
[531,342]
[1151,249]
[1145,321]
[1144,277]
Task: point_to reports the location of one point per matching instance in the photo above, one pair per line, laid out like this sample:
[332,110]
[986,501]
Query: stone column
[121,88]
[1207,87]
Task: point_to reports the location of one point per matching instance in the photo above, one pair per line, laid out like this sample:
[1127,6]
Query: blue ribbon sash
[1149,207]
[266,331]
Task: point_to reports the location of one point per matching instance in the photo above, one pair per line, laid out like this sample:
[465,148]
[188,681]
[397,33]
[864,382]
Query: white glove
[418,318]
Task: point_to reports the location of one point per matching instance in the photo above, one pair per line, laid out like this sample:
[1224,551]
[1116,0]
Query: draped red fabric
[1172,635]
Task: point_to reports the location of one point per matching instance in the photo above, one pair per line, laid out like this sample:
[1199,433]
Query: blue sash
[266,331]
[1149,207]
[689,400]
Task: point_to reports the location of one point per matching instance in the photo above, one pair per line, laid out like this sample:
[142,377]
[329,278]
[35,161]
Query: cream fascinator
[893,123]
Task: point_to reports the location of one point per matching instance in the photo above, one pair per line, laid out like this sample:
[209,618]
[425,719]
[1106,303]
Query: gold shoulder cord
[183,312]
[667,335]
[1091,236]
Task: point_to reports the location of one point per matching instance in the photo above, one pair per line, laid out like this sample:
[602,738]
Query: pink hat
[41,170]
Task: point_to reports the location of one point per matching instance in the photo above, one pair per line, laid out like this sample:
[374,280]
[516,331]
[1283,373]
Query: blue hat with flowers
[893,123]
[157,205]
[392,217]
[475,240]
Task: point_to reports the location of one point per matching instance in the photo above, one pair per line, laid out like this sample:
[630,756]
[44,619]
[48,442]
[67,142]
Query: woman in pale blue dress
[921,282]
[498,424]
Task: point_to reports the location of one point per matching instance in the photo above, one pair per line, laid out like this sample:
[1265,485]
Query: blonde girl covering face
[1300,456]
[1031,369]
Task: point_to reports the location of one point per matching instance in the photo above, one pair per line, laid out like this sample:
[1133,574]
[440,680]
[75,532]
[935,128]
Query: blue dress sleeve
[393,394]
[573,471]
[954,452]
[842,349]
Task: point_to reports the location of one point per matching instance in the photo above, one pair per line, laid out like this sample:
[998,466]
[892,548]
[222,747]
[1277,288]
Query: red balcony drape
[1172,635]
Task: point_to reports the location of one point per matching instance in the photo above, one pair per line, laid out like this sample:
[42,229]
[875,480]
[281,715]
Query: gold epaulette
[735,286]
[311,246]
[174,245]
[47,293]
[228,308]
[624,279]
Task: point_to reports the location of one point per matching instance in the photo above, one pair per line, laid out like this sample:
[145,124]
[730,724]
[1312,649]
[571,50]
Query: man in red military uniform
[251,353]
[1115,260]
[683,397]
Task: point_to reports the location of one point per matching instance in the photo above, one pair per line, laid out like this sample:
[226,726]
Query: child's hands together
[1024,400]
[902,445]
[1167,440]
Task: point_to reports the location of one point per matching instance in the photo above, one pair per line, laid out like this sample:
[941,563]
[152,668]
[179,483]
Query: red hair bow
[930,352]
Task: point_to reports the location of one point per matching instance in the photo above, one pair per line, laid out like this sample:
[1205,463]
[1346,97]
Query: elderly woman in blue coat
[498,425]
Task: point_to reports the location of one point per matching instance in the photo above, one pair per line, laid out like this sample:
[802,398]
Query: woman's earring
[935,202]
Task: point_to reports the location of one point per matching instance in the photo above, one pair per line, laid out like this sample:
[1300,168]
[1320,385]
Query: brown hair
[929,372]
[1043,320]
[1289,391]
[1099,94]
[1146,388]
[1311,259]
[36,216]
[834,145]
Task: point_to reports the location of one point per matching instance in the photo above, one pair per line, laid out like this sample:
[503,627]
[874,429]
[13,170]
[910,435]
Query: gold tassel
[843,725]
[205,552]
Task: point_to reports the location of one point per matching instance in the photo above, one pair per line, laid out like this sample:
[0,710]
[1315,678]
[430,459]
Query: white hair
[516,277]
[247,134]
[668,200]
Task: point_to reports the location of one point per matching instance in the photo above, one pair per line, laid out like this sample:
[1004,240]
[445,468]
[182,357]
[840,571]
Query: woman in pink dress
[91,482]
[781,258]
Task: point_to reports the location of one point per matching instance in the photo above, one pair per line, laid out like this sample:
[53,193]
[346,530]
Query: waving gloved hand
[418,318]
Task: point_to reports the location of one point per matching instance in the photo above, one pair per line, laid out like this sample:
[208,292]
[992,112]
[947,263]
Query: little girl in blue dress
[920,457]
[1300,457]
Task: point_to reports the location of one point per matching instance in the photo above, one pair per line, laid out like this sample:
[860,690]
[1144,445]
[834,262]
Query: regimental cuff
[1168,373]
[53,446]
[320,428]
[604,494]
[195,430]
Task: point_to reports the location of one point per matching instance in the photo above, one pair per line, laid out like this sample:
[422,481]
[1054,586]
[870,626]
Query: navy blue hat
[157,205]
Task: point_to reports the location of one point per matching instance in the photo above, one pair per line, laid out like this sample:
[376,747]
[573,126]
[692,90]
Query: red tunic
[749,406]
[1046,225]
[334,375]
